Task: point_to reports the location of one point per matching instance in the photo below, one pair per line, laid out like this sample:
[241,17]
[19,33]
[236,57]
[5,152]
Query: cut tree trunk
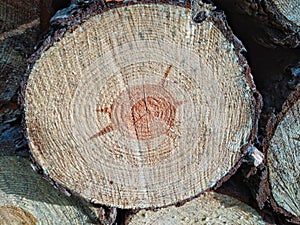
[141,105]
[26,198]
[18,34]
[278,21]
[19,31]
[209,208]
[282,147]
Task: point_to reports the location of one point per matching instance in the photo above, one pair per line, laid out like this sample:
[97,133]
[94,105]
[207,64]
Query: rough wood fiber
[25,198]
[283,156]
[140,107]
[12,215]
[289,9]
[209,208]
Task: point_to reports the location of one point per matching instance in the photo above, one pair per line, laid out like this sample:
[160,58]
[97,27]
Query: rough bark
[282,147]
[47,9]
[276,74]
[272,68]
[131,108]
[277,21]
[245,188]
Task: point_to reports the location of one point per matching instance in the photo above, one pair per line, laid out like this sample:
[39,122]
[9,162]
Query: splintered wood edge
[208,208]
[82,14]
[271,128]
[25,196]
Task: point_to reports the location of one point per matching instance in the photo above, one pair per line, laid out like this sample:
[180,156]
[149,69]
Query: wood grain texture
[209,208]
[289,9]
[12,215]
[26,198]
[283,156]
[139,107]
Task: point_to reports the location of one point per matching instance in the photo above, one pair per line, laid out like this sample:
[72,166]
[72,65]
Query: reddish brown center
[151,117]
[144,112]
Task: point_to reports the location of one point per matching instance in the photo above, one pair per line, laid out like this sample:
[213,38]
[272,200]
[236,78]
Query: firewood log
[209,208]
[282,147]
[138,105]
[26,198]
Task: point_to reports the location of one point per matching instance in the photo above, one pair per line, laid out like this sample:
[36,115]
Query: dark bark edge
[271,128]
[80,13]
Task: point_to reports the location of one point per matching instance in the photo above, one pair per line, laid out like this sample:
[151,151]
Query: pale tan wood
[139,107]
[283,155]
[209,208]
[25,197]
[12,215]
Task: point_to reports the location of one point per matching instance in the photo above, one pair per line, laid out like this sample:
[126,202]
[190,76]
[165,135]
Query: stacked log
[278,22]
[19,30]
[47,10]
[135,107]
[143,105]
[282,147]
[209,208]
[26,198]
